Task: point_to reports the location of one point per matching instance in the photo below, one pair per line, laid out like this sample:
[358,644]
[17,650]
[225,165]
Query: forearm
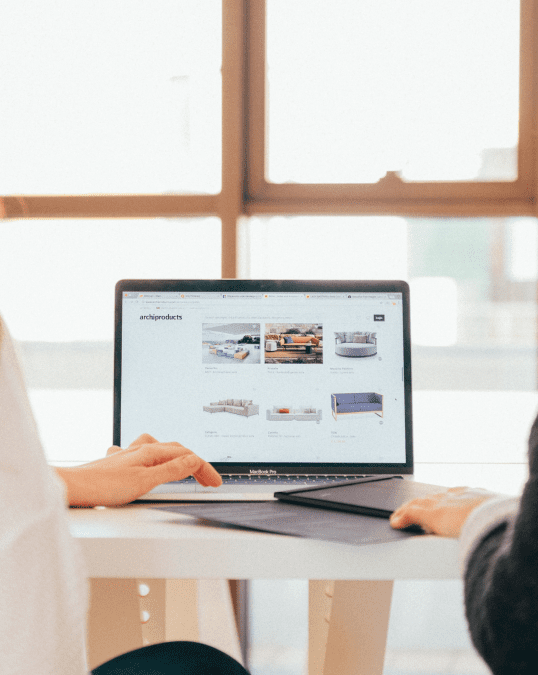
[501,589]
[74,491]
[89,485]
[484,601]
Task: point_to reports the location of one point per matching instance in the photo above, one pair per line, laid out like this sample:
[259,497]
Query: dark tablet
[371,496]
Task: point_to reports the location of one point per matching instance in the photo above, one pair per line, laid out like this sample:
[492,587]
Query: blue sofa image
[364,402]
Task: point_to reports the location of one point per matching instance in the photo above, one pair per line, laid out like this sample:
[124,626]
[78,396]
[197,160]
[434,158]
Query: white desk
[137,541]
[140,541]
[350,586]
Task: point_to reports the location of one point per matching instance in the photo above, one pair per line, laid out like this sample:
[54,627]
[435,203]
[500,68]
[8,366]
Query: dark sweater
[501,585]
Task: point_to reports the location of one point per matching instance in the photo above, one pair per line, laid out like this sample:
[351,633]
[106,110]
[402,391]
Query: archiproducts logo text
[161,317]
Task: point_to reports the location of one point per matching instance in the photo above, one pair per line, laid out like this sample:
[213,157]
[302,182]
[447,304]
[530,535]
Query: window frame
[392,195]
[245,191]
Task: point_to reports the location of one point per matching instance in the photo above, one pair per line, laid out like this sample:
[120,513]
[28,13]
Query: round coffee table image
[355,344]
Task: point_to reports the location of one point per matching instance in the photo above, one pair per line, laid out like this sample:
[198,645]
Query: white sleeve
[484,519]
[43,596]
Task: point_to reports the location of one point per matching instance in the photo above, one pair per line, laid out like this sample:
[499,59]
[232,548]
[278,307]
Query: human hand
[126,474]
[443,513]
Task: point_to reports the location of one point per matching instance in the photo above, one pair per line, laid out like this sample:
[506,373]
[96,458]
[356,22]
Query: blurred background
[342,140]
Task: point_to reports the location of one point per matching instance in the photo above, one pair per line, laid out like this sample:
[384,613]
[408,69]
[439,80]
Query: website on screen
[266,377]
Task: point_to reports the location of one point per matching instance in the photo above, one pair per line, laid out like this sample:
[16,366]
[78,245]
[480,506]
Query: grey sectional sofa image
[355,343]
[304,414]
[235,406]
[364,402]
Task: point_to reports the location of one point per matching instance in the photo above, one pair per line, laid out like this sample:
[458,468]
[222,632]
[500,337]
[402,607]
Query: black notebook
[372,496]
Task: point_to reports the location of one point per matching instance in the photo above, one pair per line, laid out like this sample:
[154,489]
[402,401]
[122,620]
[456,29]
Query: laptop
[279,384]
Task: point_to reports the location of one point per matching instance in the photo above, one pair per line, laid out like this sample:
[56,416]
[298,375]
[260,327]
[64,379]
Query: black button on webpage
[379,317]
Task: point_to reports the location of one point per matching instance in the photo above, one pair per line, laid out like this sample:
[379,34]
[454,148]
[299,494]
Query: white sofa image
[355,343]
[304,414]
[236,406]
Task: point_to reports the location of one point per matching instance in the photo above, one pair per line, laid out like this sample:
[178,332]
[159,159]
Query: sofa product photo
[288,414]
[355,344]
[364,402]
[235,406]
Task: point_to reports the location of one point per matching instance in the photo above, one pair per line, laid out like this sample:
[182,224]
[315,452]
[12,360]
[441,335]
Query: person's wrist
[63,474]
[486,517]
[74,489]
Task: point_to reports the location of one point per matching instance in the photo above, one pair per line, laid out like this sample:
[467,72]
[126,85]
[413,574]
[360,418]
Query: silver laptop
[279,384]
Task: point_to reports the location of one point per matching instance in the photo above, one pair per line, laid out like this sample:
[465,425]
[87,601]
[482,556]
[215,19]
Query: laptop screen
[269,376]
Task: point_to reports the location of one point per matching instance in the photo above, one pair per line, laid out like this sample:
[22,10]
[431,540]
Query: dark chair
[172,658]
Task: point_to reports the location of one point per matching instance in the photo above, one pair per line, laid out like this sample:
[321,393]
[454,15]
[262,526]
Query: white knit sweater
[43,597]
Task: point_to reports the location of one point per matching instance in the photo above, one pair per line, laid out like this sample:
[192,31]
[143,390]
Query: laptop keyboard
[286,479]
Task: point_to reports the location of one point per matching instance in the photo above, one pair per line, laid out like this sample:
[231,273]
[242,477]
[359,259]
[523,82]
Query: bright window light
[426,88]
[110,97]
[324,247]
[57,277]
[434,311]
[522,246]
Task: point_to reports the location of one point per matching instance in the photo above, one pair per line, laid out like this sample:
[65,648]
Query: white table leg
[122,618]
[356,618]
[181,609]
[216,620]
[126,614]
[320,594]
[114,625]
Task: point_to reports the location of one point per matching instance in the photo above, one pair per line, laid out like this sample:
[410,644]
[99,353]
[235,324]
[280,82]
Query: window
[247,138]
[57,281]
[111,98]
[357,89]
[152,141]
[387,107]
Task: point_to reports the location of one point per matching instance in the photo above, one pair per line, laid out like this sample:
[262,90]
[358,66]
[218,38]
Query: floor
[398,662]
[421,640]
[434,662]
